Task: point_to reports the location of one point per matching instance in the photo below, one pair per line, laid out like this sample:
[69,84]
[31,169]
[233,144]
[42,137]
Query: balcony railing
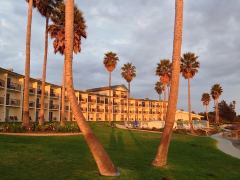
[54,106]
[13,102]
[39,92]
[1,100]
[11,118]
[2,83]
[14,86]
[54,95]
[32,90]
[31,104]
[45,105]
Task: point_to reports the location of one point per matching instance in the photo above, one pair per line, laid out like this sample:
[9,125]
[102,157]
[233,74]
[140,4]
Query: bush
[35,127]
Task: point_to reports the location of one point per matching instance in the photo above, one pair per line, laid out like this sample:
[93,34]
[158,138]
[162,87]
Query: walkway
[42,134]
[226,146]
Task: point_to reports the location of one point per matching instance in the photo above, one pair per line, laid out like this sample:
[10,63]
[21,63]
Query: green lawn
[69,158]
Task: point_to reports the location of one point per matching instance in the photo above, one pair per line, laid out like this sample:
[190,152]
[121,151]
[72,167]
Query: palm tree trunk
[41,113]
[26,119]
[62,121]
[104,163]
[159,108]
[164,103]
[216,112]
[189,107]
[207,116]
[128,95]
[162,152]
[109,99]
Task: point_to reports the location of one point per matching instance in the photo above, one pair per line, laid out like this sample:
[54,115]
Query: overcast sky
[141,32]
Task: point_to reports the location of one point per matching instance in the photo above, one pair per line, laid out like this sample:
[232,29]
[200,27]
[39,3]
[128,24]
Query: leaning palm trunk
[104,163]
[162,152]
[26,119]
[62,120]
[207,116]
[41,114]
[189,107]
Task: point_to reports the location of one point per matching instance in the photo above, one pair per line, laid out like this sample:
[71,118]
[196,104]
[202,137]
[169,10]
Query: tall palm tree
[104,163]
[162,152]
[159,88]
[57,32]
[216,92]
[26,119]
[128,73]
[205,100]
[163,70]
[110,63]
[46,9]
[189,67]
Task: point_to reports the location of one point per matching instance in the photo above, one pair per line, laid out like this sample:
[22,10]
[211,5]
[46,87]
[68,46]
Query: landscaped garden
[69,158]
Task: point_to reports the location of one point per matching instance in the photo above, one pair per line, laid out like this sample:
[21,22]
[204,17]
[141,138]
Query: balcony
[123,96]
[39,92]
[91,101]
[32,90]
[100,110]
[13,102]
[67,108]
[54,106]
[84,109]
[1,100]
[14,86]
[32,104]
[45,106]
[54,95]
[11,118]
[2,83]
[100,102]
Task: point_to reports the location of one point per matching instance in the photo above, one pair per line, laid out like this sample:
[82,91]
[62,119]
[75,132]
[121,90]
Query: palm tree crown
[159,88]
[57,29]
[164,70]
[128,72]
[189,65]
[205,99]
[47,7]
[216,91]
[110,61]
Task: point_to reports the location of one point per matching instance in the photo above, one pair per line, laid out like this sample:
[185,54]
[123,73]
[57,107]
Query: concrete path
[226,146]
[41,134]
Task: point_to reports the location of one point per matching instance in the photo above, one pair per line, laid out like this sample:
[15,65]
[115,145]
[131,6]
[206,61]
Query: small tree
[216,92]
[205,100]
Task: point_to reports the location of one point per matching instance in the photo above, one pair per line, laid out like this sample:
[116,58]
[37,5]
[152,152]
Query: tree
[57,32]
[104,163]
[110,62]
[46,9]
[205,100]
[26,119]
[128,73]
[189,67]
[162,152]
[164,72]
[216,92]
[226,111]
[159,88]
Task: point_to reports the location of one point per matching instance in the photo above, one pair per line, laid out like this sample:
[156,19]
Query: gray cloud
[138,31]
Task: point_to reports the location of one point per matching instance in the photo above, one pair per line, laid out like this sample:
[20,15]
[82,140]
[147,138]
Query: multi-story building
[96,104]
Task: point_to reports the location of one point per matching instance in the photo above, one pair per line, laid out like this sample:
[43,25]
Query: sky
[140,32]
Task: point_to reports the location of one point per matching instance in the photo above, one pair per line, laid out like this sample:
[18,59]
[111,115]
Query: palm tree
[162,152]
[164,72]
[26,119]
[104,163]
[128,73]
[216,92]
[46,9]
[110,62]
[57,32]
[159,88]
[189,67]
[205,100]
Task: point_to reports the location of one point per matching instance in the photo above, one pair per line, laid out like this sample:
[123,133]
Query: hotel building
[94,103]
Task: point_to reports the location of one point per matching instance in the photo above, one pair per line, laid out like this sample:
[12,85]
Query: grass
[69,157]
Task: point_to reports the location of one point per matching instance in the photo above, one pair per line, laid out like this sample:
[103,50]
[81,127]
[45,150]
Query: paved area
[41,134]
[226,146]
